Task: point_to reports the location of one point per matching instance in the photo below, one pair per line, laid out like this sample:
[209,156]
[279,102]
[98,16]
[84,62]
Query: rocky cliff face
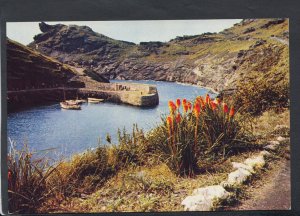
[216,60]
[29,69]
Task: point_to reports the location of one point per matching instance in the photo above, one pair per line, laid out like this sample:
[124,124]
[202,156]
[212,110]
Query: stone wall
[131,93]
[128,93]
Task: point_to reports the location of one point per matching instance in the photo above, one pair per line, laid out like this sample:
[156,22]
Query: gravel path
[272,192]
[283,41]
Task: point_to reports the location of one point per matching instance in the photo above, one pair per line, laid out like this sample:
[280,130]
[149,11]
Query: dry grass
[264,125]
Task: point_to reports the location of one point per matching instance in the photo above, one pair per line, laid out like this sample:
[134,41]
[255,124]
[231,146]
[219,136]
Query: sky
[132,31]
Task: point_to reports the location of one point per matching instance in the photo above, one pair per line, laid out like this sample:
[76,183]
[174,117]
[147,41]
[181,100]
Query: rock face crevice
[215,60]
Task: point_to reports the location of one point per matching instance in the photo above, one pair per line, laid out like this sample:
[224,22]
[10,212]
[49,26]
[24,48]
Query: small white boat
[66,105]
[95,100]
[72,102]
[75,102]
[80,101]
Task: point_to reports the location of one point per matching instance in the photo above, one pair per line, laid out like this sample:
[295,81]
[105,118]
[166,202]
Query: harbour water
[66,132]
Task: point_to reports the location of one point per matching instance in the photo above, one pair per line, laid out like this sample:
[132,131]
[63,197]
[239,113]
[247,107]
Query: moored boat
[75,102]
[72,102]
[80,101]
[95,100]
[66,105]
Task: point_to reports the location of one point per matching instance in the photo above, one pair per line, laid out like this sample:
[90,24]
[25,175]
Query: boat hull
[65,105]
[95,100]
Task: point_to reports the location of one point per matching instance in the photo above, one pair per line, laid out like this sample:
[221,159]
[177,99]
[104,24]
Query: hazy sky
[133,31]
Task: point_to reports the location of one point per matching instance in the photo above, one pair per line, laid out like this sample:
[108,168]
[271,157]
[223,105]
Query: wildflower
[169,121]
[231,113]
[172,106]
[197,110]
[201,102]
[189,106]
[185,108]
[225,108]
[184,102]
[207,99]
[217,101]
[213,105]
[178,118]
[170,125]
[178,103]
[9,175]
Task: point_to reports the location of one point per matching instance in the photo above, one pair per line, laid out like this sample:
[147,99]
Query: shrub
[27,177]
[202,130]
[256,96]
[87,170]
[131,148]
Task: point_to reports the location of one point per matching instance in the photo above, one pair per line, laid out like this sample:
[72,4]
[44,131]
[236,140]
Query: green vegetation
[267,87]
[191,147]
[188,144]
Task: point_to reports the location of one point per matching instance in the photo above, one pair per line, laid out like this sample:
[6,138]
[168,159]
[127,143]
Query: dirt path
[285,42]
[271,192]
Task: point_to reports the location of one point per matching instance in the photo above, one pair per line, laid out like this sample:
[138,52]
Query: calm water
[72,131]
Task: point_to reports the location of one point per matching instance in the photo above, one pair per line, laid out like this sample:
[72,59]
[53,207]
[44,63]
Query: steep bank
[217,60]
[34,78]
[29,69]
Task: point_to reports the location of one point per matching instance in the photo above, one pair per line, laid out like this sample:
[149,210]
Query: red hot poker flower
[225,108]
[9,175]
[178,118]
[231,113]
[197,110]
[184,102]
[172,106]
[202,103]
[169,121]
[185,108]
[207,99]
[178,103]
[189,105]
[213,105]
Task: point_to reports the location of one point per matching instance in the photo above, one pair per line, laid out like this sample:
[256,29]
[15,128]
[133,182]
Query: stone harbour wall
[128,93]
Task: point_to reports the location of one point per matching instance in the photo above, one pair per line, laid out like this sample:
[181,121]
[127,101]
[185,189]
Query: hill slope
[27,69]
[250,48]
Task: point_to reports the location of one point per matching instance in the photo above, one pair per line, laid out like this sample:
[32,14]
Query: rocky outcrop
[29,69]
[216,60]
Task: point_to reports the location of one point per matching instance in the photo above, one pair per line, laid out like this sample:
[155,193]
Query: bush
[256,96]
[27,187]
[82,174]
[204,130]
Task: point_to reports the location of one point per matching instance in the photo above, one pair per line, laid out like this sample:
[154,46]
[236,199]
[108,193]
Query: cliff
[218,60]
[29,69]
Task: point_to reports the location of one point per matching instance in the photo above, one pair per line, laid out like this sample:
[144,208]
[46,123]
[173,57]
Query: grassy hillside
[217,60]
[27,68]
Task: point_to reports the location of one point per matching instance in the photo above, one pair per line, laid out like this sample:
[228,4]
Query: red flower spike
[178,103]
[231,113]
[225,108]
[197,110]
[207,99]
[178,118]
[169,120]
[217,101]
[9,175]
[213,105]
[189,106]
[185,107]
[184,102]
[172,106]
